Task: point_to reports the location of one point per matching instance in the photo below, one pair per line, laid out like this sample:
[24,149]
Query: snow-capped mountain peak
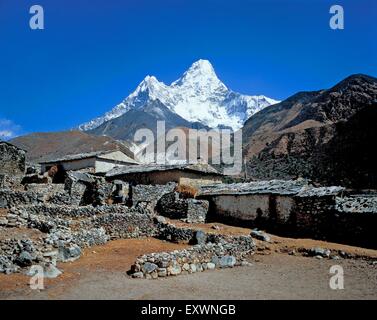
[201,74]
[198,96]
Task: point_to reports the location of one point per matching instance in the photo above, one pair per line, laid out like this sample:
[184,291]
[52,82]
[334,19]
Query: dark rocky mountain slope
[328,136]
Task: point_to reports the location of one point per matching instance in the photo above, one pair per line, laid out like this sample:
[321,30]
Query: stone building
[94,162]
[186,174]
[295,208]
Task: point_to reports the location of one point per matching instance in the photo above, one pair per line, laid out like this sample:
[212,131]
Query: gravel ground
[101,274]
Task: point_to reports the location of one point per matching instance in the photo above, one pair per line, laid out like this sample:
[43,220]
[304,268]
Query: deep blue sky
[93,53]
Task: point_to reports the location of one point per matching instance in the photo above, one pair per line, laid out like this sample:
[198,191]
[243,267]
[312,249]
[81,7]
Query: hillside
[50,145]
[326,135]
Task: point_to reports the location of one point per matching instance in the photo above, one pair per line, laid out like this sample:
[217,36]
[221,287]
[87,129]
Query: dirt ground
[101,273]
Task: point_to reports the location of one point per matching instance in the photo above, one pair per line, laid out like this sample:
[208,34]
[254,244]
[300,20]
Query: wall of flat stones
[149,193]
[12,160]
[71,211]
[190,210]
[66,229]
[125,226]
[312,216]
[10,181]
[10,198]
[173,233]
[217,252]
[118,221]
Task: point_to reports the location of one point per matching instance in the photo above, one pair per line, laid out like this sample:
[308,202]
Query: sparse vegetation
[186,191]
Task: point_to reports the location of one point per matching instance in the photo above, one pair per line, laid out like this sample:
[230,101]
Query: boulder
[320,252]
[138,275]
[69,253]
[148,267]
[200,237]
[25,259]
[260,235]
[227,262]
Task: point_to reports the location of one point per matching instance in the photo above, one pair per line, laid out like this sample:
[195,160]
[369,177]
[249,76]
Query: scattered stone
[260,235]
[324,253]
[24,259]
[227,262]
[138,275]
[51,272]
[69,253]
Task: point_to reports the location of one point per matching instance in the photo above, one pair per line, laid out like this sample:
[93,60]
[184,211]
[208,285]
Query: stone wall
[10,182]
[190,210]
[217,252]
[10,198]
[67,229]
[12,159]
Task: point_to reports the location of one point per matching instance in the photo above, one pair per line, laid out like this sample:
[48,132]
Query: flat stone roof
[80,156]
[205,169]
[299,187]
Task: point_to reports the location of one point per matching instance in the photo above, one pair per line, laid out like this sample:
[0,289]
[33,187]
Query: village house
[94,162]
[276,204]
[184,174]
[295,208]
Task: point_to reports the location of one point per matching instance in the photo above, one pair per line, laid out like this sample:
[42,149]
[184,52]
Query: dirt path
[101,274]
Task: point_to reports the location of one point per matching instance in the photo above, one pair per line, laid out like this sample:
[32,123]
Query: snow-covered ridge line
[198,96]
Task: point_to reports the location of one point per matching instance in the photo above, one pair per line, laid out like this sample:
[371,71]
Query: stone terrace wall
[10,198]
[117,220]
[216,252]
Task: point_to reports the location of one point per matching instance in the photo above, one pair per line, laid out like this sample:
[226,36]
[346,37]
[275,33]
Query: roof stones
[199,167]
[299,187]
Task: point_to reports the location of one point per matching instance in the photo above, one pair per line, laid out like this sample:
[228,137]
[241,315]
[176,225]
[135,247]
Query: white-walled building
[94,162]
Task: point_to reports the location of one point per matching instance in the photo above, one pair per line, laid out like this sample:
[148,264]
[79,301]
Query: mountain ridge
[316,135]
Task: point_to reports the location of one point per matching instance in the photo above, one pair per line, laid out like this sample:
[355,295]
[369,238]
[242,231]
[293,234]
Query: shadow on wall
[297,217]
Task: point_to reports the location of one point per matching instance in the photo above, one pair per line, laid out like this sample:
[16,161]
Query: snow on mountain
[198,96]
